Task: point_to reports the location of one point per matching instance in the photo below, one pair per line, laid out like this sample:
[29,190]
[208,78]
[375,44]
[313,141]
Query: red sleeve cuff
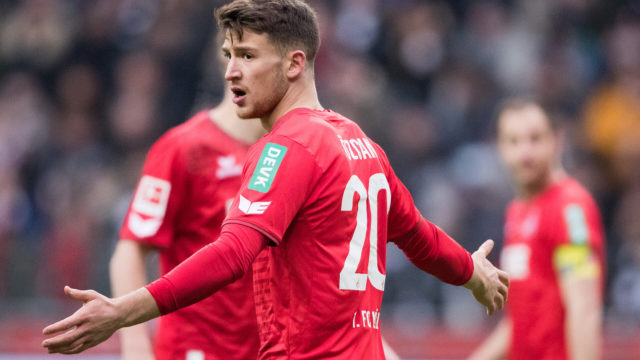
[162,291]
[467,273]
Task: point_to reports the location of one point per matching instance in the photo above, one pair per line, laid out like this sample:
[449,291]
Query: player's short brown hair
[289,23]
[519,103]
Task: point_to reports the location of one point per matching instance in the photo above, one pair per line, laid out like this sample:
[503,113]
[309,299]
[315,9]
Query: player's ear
[297,63]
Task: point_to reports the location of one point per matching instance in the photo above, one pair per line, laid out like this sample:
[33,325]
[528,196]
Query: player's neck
[530,191]
[224,116]
[301,94]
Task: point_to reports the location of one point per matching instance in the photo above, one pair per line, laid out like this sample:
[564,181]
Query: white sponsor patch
[195,355]
[143,228]
[250,208]
[228,167]
[515,261]
[152,196]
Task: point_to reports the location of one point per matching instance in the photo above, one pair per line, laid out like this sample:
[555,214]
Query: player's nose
[233,71]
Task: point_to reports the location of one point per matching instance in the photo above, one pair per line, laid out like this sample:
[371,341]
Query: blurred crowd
[87,86]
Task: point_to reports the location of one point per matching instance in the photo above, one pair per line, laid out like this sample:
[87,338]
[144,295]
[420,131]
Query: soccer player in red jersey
[190,176]
[553,251]
[317,194]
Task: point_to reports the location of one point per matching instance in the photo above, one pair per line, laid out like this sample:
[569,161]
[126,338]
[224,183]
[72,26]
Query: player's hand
[488,284]
[92,324]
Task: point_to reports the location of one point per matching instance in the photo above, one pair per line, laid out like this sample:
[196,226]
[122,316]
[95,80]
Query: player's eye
[247,56]
[535,138]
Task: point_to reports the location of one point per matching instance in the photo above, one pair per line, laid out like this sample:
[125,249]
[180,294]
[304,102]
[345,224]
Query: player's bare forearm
[488,284]
[128,273]
[579,273]
[495,347]
[97,319]
[584,318]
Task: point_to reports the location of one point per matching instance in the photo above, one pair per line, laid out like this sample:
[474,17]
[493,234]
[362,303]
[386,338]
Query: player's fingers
[504,277]
[490,310]
[76,347]
[62,325]
[503,290]
[486,248]
[500,300]
[488,304]
[66,349]
[76,344]
[81,295]
[80,349]
[63,340]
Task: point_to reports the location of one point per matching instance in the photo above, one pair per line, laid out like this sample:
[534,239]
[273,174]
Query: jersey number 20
[349,278]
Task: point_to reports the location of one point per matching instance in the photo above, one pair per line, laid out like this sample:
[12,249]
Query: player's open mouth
[238,95]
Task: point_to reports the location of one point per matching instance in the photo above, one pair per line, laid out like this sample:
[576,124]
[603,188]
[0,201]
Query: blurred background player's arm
[495,347]
[579,275]
[389,353]
[128,273]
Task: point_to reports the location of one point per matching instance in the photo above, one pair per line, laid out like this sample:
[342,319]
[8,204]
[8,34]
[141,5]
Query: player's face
[255,72]
[527,145]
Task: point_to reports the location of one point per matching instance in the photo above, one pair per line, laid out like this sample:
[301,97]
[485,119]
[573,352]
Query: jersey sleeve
[209,269]
[403,214]
[575,235]
[160,191]
[276,181]
[426,245]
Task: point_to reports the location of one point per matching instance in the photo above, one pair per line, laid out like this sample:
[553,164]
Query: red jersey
[564,214]
[326,197]
[190,176]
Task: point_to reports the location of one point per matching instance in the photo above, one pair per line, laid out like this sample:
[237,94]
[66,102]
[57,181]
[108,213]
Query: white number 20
[349,278]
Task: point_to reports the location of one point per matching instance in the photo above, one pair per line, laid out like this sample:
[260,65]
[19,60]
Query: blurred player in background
[553,250]
[317,193]
[190,176]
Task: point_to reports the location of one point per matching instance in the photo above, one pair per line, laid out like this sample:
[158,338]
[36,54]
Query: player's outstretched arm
[97,319]
[488,284]
[208,270]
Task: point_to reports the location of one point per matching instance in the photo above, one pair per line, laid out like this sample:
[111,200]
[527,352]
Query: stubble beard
[265,107]
[536,183]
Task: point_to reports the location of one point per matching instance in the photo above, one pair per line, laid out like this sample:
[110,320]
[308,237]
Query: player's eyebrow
[238,48]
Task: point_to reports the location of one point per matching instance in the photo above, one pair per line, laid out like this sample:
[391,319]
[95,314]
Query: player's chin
[245,112]
[530,178]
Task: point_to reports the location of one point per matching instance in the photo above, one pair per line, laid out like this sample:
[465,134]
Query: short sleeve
[574,224]
[157,198]
[276,182]
[576,238]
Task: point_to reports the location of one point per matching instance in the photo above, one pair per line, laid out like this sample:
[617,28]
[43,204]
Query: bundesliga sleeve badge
[149,206]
